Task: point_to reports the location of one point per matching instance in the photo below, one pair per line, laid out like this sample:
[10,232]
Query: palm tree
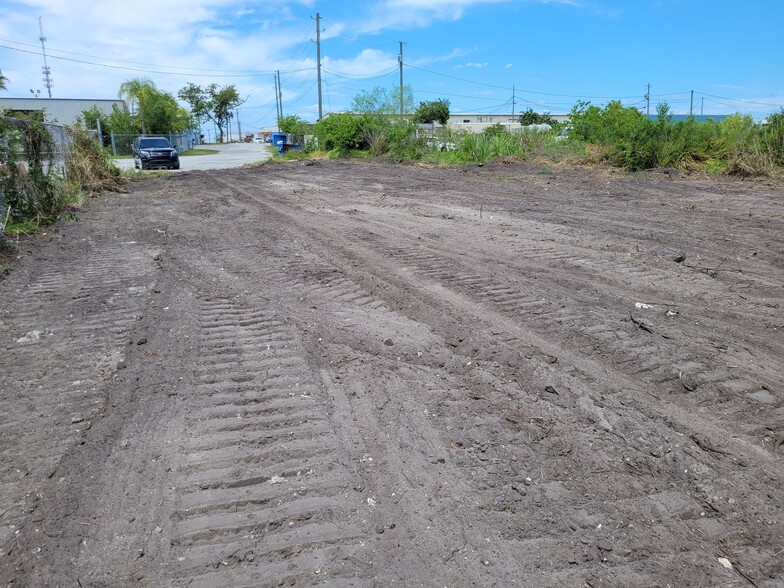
[134,92]
[3,81]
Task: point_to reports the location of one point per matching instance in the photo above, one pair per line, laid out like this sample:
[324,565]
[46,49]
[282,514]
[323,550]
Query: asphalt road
[230,155]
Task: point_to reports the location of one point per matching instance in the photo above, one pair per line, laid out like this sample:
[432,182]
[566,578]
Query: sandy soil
[357,374]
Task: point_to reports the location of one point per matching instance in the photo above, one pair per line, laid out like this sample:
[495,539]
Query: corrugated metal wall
[63,111]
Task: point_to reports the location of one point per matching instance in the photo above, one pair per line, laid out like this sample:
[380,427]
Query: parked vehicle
[154,153]
[258,139]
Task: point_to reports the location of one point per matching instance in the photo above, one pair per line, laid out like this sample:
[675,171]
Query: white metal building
[61,111]
[476,123]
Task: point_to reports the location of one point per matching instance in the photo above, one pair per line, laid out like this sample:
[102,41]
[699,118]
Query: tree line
[153,111]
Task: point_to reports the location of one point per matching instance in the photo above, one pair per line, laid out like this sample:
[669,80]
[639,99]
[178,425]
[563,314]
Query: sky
[484,56]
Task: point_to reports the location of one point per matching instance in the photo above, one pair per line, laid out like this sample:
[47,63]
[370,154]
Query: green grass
[191,152]
[23,227]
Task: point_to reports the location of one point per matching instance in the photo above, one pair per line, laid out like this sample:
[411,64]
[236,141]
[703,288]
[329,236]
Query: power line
[113,59]
[509,88]
[360,78]
[354,39]
[738,100]
[168,73]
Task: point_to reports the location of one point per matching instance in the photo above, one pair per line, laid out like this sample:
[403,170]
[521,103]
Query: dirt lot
[356,374]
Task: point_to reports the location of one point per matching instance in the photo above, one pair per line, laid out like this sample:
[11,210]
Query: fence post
[114,147]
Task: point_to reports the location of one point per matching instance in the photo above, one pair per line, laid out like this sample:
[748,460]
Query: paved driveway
[230,155]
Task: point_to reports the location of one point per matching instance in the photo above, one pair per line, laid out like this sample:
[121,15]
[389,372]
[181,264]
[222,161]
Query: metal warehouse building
[61,111]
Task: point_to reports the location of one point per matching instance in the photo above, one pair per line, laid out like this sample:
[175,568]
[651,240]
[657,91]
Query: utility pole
[400,64]
[318,59]
[648,100]
[691,103]
[277,103]
[47,79]
[702,103]
[513,101]
[280,96]
[239,128]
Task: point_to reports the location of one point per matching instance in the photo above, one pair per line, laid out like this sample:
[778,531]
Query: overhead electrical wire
[354,39]
[359,78]
[168,73]
[290,73]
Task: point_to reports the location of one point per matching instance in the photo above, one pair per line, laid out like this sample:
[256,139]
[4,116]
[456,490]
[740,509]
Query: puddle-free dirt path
[349,373]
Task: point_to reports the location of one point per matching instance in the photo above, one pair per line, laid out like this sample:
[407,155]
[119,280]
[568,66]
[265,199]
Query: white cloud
[368,62]
[123,41]
[408,14]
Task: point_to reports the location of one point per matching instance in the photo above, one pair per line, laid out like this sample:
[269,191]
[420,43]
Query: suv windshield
[155,143]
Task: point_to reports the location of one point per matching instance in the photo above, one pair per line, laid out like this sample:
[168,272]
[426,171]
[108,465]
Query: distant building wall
[476,123]
[63,111]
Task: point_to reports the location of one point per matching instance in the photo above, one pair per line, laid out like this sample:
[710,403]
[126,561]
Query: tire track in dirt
[266,496]
[55,383]
[683,513]
[53,408]
[712,378]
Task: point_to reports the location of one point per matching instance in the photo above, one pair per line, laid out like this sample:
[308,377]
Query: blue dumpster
[279,141]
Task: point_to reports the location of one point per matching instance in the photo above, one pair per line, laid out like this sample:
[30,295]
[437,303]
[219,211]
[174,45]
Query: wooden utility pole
[691,103]
[280,95]
[400,65]
[277,103]
[648,100]
[318,59]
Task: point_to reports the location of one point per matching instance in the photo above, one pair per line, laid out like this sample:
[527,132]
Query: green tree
[163,115]
[294,125]
[383,100]
[212,103]
[91,118]
[3,82]
[121,121]
[134,92]
[529,117]
[435,111]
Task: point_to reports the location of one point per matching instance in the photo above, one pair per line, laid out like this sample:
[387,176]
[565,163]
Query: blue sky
[472,52]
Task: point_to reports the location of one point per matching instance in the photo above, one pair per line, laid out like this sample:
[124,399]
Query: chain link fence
[122,144]
[18,156]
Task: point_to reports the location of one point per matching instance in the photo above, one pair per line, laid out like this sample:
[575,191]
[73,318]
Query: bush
[89,169]
[344,132]
[31,191]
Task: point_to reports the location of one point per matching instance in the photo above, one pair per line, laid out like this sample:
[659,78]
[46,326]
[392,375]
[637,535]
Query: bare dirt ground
[359,374]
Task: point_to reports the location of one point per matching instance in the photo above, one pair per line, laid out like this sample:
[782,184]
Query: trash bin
[279,141]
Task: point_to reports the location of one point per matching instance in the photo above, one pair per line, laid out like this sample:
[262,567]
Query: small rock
[725,562]
[388,342]
[77,419]
[604,545]
[679,259]
[142,341]
[380,529]
[528,481]
[550,390]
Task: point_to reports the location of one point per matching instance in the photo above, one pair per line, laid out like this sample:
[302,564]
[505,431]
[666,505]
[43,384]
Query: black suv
[154,153]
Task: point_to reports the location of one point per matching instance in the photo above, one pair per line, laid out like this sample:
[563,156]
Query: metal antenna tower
[47,79]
